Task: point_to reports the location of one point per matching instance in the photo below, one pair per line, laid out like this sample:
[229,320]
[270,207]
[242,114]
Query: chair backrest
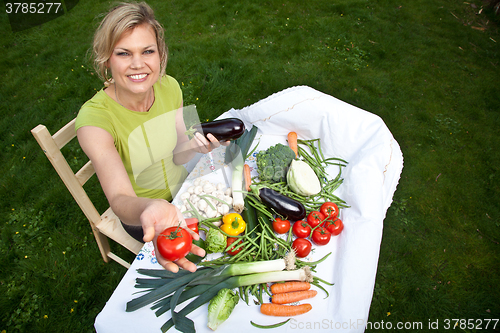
[104,226]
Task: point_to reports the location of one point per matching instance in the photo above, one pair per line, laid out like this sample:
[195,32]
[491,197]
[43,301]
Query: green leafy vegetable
[215,241]
[273,163]
[220,307]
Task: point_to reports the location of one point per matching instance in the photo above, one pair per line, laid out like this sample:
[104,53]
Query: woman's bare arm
[154,215]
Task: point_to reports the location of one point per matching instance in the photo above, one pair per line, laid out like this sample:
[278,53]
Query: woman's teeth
[138,76]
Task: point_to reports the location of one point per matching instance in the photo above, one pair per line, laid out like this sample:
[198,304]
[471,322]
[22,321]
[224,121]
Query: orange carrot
[247,176]
[289,286]
[280,310]
[292,142]
[293,296]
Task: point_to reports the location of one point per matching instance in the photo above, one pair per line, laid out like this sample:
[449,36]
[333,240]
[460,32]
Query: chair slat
[111,226]
[65,134]
[84,174]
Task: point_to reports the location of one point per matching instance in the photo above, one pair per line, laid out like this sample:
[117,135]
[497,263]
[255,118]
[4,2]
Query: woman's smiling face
[135,61]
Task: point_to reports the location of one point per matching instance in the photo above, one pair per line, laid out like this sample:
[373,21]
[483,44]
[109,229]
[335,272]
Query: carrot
[289,286]
[280,310]
[247,176]
[292,142]
[293,296]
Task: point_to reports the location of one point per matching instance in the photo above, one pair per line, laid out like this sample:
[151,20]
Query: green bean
[254,290]
[270,326]
[240,289]
[314,263]
[260,294]
[276,239]
[246,294]
[321,151]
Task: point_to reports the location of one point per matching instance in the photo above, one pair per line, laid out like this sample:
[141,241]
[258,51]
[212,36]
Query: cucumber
[249,215]
[193,257]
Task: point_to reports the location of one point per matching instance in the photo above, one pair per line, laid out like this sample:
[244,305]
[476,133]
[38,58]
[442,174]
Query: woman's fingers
[149,233]
[168,265]
[186,264]
[204,146]
[195,249]
[213,140]
[174,266]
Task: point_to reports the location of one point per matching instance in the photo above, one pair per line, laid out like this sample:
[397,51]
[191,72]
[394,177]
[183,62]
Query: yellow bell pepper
[233,224]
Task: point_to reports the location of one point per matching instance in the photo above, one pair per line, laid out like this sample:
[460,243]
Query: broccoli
[221,306]
[273,163]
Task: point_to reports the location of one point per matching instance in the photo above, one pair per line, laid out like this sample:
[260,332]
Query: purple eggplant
[223,129]
[283,205]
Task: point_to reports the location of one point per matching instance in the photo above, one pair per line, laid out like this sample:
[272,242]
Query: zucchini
[249,215]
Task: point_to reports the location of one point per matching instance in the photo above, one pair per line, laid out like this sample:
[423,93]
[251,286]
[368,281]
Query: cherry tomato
[281,226]
[192,224]
[301,229]
[302,247]
[334,227]
[315,218]
[330,210]
[321,236]
[174,243]
[233,251]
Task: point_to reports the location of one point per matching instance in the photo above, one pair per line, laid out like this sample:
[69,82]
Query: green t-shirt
[144,140]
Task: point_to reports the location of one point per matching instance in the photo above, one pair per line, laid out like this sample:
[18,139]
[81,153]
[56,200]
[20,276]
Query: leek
[236,154]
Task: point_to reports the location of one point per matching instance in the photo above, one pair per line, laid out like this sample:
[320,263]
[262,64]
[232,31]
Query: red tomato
[302,247]
[174,243]
[301,229]
[315,218]
[321,236]
[192,224]
[330,210]
[233,251]
[334,227]
[281,226]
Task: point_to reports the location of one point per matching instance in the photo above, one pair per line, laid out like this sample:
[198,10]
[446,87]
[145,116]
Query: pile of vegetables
[278,217]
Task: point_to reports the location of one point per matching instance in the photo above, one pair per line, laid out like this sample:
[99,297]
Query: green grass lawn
[429,69]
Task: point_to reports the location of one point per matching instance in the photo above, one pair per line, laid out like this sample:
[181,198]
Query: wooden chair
[104,226]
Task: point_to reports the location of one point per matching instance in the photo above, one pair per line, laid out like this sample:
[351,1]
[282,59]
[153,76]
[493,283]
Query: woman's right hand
[203,145]
[156,217]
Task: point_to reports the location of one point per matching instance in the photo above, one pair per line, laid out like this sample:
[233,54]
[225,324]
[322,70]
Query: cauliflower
[273,163]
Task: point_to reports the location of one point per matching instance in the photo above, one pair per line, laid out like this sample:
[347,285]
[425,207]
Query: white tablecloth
[370,180]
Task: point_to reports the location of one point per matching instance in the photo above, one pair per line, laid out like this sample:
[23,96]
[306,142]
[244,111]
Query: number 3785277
[32,8]
[478,324]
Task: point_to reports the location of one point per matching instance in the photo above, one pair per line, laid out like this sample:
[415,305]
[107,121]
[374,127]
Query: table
[370,180]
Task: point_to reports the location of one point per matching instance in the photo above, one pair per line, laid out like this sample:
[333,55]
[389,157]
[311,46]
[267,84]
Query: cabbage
[215,241]
[302,179]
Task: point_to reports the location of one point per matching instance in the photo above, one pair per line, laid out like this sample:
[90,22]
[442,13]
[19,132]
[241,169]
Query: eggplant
[283,205]
[223,129]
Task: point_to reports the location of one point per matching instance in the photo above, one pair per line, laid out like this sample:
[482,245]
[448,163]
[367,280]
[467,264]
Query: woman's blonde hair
[121,18]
